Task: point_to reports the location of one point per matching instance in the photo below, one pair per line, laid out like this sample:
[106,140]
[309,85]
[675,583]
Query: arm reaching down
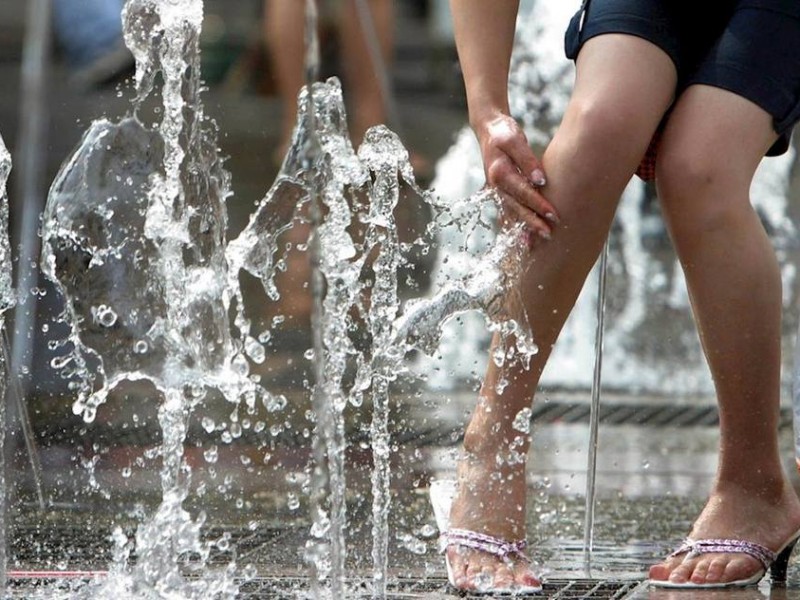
[485,38]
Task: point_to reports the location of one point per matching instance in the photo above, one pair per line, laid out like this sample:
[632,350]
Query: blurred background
[62,70]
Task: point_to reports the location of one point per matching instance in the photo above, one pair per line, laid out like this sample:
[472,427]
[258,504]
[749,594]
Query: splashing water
[7,297]
[367,184]
[7,300]
[134,238]
[491,287]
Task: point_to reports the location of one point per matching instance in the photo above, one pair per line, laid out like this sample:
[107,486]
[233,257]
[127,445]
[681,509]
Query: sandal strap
[484,543]
[694,547]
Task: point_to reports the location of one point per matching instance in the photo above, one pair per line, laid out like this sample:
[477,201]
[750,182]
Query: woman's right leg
[624,85]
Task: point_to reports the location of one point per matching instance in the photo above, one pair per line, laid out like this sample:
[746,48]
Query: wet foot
[770,520]
[489,501]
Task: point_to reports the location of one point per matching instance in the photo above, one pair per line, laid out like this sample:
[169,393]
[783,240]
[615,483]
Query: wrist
[486,101]
[480,120]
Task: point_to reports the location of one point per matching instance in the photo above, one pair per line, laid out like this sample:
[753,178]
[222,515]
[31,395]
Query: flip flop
[442,493]
[775,562]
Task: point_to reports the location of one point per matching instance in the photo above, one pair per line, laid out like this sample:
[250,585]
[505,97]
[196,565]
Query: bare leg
[711,147]
[362,80]
[284,25]
[624,84]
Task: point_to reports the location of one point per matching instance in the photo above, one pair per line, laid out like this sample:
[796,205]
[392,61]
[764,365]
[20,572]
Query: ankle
[772,487]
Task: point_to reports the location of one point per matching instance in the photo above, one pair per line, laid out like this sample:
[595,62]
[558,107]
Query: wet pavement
[652,480]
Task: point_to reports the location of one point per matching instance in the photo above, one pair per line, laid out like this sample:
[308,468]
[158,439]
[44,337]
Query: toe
[663,570]
[484,580]
[503,577]
[682,572]
[524,576]
[472,576]
[659,572]
[740,567]
[458,565]
[716,570]
[700,572]
[482,572]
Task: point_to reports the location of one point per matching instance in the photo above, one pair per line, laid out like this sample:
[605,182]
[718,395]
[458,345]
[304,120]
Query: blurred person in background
[284,27]
[89,33]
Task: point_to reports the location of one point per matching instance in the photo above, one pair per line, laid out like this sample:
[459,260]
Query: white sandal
[442,494]
[775,562]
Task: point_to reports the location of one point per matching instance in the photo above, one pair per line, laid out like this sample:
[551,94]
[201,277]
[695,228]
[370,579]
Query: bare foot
[491,501]
[770,520]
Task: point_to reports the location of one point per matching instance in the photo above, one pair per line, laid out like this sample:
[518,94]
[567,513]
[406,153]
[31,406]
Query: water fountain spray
[135,237]
[7,300]
[594,414]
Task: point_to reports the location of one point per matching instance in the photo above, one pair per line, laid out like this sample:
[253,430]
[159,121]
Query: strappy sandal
[775,562]
[442,493]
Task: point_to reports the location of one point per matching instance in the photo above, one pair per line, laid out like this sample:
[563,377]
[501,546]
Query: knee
[683,174]
[595,126]
[698,192]
[602,142]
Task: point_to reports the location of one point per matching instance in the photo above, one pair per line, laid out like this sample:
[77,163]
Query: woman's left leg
[363,79]
[712,145]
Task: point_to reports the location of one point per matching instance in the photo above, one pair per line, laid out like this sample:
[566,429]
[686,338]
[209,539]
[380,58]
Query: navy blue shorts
[748,47]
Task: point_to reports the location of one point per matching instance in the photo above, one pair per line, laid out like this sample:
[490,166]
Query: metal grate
[269,588]
[44,547]
[555,412]
[275,588]
[660,415]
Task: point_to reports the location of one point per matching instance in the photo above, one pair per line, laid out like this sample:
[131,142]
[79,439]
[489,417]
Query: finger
[502,175]
[531,220]
[530,197]
[522,155]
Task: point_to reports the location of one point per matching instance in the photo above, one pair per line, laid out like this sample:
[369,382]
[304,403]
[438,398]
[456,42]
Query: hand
[512,168]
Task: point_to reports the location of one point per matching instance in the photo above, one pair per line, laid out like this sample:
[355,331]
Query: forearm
[484,33]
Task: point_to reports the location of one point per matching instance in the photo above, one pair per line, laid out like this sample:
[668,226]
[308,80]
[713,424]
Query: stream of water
[7,300]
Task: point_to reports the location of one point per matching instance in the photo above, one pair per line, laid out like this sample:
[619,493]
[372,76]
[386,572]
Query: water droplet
[427,530]
[211,454]
[254,350]
[104,315]
[522,422]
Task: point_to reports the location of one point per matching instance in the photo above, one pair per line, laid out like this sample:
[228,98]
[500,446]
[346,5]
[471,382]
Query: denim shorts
[748,47]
